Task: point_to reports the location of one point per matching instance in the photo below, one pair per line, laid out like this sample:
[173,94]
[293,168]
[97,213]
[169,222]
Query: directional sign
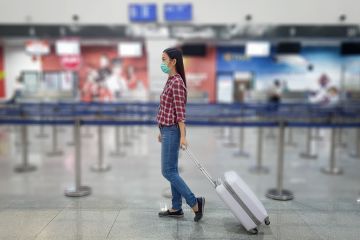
[178,12]
[142,12]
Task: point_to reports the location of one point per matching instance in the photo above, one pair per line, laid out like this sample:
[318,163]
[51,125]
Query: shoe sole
[172,216]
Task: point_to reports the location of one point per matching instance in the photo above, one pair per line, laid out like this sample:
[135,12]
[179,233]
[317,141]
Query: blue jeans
[170,144]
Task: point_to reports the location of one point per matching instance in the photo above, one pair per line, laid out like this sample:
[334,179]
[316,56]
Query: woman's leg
[169,167]
[176,198]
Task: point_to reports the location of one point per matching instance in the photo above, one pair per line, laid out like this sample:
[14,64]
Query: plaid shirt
[172,102]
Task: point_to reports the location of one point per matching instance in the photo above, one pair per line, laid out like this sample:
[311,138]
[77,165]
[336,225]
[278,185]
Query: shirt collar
[173,76]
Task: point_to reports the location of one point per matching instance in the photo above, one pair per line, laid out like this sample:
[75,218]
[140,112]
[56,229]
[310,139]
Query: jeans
[170,144]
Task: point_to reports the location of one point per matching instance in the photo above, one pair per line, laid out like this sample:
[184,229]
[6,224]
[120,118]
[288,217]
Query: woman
[171,120]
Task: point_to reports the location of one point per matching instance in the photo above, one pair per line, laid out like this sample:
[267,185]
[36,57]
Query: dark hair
[175,53]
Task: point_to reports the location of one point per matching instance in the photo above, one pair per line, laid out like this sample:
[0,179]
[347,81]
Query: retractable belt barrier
[281,116]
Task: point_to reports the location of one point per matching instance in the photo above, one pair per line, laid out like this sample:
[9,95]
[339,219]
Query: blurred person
[114,81]
[89,88]
[275,92]
[320,95]
[104,94]
[104,71]
[139,92]
[132,78]
[171,120]
[18,90]
[136,86]
[332,97]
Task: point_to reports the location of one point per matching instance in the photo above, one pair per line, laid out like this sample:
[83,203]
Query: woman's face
[169,62]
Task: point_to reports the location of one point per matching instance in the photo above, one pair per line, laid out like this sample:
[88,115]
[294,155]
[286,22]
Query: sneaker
[167,213]
[200,212]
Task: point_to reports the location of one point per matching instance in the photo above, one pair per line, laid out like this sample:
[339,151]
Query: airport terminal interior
[270,137]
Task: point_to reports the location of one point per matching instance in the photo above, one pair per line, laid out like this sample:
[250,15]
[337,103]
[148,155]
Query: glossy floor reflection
[125,200]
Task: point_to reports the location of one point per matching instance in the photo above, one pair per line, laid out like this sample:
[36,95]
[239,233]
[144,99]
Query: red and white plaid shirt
[172,102]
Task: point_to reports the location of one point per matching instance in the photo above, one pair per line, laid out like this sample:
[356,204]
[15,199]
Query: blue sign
[142,12]
[178,12]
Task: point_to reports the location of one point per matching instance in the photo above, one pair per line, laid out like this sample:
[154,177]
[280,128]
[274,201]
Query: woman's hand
[159,137]
[183,143]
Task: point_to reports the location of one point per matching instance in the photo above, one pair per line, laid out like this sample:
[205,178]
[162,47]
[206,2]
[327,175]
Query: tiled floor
[125,200]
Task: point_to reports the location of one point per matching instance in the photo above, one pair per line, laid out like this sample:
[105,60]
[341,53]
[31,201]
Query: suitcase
[236,194]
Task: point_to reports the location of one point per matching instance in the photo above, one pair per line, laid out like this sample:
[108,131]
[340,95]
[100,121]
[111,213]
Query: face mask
[165,68]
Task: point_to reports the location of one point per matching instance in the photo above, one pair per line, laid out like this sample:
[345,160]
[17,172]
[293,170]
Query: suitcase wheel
[253,231]
[267,221]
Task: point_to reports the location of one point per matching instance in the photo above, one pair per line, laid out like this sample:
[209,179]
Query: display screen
[350,48]
[178,12]
[67,47]
[257,49]
[288,48]
[142,12]
[130,49]
[196,50]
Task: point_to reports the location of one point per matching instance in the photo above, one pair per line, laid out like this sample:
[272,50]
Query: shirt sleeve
[179,94]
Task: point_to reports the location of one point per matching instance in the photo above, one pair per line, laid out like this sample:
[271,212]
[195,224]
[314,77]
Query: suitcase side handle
[200,167]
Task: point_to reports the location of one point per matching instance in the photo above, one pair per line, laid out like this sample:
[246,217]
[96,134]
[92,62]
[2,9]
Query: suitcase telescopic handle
[200,167]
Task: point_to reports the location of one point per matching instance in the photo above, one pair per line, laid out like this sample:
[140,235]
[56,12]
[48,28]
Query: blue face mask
[165,68]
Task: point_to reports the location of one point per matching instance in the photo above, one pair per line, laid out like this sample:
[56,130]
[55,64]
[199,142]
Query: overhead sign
[142,12]
[178,12]
[67,47]
[257,49]
[130,49]
[37,47]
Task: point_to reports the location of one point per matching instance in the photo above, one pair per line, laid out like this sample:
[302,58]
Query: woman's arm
[179,93]
[183,142]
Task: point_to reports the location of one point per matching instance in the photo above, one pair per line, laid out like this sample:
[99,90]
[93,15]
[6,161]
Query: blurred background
[234,50]
[97,64]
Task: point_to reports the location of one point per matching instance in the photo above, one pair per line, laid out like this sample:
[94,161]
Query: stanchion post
[271,134]
[78,190]
[290,139]
[317,135]
[279,193]
[241,152]
[25,166]
[356,153]
[308,149]
[55,151]
[259,168]
[87,133]
[134,127]
[229,137]
[332,169]
[126,133]
[72,143]
[340,138]
[118,149]
[42,133]
[100,166]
